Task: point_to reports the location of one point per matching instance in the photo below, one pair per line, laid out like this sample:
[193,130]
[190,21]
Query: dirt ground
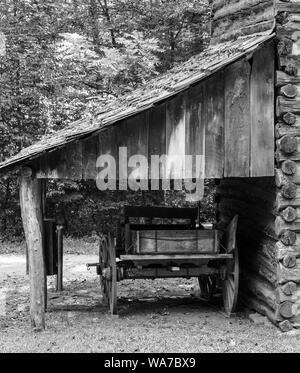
[154,316]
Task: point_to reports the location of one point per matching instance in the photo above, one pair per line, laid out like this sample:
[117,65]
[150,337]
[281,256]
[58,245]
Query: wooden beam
[262,112]
[212,115]
[32,217]
[237,120]
[158,257]
[59,278]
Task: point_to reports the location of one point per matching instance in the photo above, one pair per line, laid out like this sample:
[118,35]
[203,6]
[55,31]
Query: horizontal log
[286,309]
[290,191]
[288,238]
[289,64]
[288,144]
[288,27]
[286,6]
[283,78]
[224,31]
[285,46]
[285,275]
[288,148]
[286,326]
[280,156]
[282,250]
[282,203]
[290,214]
[261,267]
[260,289]
[281,179]
[289,91]
[289,288]
[282,297]
[260,307]
[282,130]
[289,168]
[281,226]
[228,24]
[291,119]
[289,261]
[284,105]
[236,8]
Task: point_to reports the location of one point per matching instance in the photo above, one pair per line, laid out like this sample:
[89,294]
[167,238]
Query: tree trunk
[32,217]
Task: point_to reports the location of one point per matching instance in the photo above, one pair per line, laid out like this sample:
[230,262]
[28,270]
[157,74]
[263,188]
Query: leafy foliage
[58,58]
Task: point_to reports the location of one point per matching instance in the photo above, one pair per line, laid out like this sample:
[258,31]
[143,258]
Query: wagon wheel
[108,273]
[207,284]
[231,270]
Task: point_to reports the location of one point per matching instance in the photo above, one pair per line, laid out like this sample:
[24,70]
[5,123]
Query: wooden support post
[59,277]
[27,260]
[32,217]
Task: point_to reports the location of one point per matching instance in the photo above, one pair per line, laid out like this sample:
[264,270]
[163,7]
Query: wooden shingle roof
[158,89]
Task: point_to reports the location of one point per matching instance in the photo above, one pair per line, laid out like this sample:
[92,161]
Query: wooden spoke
[231,284]
[108,272]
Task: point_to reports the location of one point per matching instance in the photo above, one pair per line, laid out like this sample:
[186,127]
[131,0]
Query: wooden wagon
[163,242]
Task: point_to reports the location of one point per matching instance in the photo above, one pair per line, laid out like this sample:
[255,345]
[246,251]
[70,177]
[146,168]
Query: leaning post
[32,217]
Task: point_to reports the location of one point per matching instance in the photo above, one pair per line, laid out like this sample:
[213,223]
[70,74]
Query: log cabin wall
[234,18]
[269,208]
[287,132]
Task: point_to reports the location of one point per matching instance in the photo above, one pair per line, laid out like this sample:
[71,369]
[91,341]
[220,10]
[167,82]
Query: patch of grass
[85,245]
[16,247]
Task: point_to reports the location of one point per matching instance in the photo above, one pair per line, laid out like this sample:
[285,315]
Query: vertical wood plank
[133,133]
[90,150]
[175,129]
[108,144]
[262,112]
[157,130]
[157,133]
[195,127]
[65,163]
[32,217]
[213,117]
[237,120]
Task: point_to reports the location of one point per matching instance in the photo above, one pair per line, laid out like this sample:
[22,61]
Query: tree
[59,59]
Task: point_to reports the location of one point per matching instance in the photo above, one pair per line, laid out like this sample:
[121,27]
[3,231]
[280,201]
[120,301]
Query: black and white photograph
[149,179]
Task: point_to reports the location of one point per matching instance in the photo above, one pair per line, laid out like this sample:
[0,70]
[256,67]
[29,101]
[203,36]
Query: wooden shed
[237,103]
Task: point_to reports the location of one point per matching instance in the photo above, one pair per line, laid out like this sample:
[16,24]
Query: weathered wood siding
[235,18]
[237,120]
[228,119]
[262,114]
